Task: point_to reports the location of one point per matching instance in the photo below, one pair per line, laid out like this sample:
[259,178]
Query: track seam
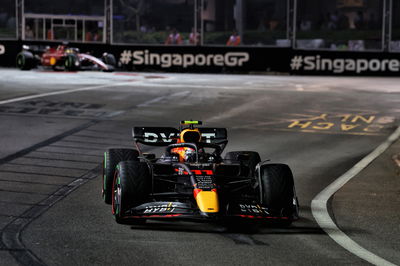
[319,205]
[47,142]
[11,234]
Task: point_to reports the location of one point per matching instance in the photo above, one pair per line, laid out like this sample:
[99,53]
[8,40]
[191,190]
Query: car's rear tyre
[110,68]
[111,158]
[276,188]
[131,187]
[109,59]
[248,158]
[71,62]
[25,60]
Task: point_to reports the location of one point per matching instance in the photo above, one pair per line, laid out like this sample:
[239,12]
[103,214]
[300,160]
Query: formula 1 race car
[63,58]
[192,181]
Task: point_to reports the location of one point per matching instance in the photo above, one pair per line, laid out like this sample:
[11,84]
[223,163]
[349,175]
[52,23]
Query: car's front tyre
[109,59]
[25,60]
[111,159]
[276,188]
[131,187]
[71,62]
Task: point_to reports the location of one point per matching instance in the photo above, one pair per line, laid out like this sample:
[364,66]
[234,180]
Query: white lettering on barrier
[341,65]
[236,59]
[165,60]
[2,49]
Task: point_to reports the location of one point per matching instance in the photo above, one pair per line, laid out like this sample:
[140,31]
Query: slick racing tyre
[248,158]
[109,59]
[131,186]
[277,188]
[71,62]
[111,158]
[110,68]
[25,60]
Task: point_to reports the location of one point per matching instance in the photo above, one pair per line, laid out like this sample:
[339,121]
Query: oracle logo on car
[165,60]
[2,49]
[154,137]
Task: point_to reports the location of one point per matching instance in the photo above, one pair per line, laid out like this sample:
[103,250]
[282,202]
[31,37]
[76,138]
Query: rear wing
[38,49]
[155,136]
[164,136]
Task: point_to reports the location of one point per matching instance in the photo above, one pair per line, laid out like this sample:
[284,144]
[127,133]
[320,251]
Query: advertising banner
[344,63]
[8,52]
[203,59]
[217,59]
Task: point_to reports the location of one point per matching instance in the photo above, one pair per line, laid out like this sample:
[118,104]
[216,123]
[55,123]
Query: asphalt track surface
[51,211]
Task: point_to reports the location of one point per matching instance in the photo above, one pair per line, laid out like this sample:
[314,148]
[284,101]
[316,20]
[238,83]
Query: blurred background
[354,25]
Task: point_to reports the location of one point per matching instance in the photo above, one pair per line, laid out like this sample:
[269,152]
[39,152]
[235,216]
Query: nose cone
[207,201]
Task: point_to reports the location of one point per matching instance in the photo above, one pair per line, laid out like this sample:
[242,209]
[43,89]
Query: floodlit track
[55,127]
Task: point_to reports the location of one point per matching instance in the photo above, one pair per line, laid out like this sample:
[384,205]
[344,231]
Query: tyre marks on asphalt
[56,163]
[244,239]
[65,157]
[55,153]
[11,234]
[82,136]
[31,168]
[34,179]
[53,167]
[56,108]
[47,142]
[72,147]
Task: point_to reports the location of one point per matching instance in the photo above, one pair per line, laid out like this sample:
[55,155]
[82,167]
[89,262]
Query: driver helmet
[187,154]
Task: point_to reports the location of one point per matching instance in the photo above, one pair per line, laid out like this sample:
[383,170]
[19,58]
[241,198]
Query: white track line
[320,210]
[24,98]
[159,99]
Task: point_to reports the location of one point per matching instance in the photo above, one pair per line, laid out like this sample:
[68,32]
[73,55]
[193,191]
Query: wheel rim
[67,64]
[103,190]
[116,196]
[20,61]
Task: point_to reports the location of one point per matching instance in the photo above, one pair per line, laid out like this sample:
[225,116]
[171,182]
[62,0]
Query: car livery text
[154,137]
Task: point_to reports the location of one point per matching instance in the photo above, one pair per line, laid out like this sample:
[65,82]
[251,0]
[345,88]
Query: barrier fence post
[108,13]
[388,15]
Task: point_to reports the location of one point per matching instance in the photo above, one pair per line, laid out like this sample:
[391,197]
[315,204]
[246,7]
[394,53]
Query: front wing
[182,210]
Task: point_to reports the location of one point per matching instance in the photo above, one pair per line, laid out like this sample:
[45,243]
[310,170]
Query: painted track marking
[161,98]
[319,206]
[24,98]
